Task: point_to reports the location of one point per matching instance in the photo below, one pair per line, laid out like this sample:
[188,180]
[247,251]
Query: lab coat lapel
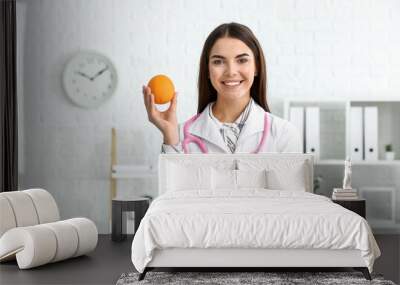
[254,124]
[205,128]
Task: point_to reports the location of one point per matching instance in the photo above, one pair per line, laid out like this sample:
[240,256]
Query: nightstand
[139,205]
[357,205]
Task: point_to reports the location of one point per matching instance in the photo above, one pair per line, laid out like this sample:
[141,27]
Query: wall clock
[89,79]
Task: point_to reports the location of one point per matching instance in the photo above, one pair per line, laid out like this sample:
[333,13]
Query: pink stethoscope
[189,138]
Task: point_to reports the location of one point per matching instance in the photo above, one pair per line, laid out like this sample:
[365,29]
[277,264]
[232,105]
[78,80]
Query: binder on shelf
[356,133]
[312,131]
[371,132]
[296,117]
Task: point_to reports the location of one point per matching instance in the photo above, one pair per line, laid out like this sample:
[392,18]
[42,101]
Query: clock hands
[93,77]
[83,74]
[99,73]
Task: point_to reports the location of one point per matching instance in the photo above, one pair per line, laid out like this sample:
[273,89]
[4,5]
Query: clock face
[89,79]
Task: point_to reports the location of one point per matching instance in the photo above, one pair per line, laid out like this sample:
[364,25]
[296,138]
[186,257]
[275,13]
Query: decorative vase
[390,155]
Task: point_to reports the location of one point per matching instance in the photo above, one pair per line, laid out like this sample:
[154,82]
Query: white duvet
[251,218]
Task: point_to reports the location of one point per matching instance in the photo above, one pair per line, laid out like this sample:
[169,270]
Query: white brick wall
[314,48]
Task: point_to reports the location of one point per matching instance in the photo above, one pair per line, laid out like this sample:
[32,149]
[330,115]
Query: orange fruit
[162,88]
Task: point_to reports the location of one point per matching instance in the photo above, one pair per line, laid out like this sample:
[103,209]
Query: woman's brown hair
[258,90]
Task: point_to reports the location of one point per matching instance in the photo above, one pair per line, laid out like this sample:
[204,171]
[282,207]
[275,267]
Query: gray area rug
[225,278]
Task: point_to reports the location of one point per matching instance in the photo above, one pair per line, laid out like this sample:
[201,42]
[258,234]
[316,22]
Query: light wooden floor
[111,259]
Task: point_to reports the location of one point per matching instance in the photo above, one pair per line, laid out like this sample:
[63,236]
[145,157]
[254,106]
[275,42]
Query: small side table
[357,205]
[119,205]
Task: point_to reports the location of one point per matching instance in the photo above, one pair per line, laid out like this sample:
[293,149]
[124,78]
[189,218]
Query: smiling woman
[233,115]
[232,70]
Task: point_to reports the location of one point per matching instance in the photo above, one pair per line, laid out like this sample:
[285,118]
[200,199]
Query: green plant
[388,148]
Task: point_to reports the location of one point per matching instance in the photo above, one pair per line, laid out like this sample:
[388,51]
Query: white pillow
[281,174]
[183,177]
[224,179]
[229,179]
[251,178]
[293,178]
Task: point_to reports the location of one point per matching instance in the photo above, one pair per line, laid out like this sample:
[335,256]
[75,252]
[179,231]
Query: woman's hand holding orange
[165,121]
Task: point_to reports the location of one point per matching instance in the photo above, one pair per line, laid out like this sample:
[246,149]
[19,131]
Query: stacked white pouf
[31,230]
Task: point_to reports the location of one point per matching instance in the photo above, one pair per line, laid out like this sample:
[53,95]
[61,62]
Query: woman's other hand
[165,121]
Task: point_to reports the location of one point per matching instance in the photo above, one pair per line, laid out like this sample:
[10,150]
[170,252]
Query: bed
[246,210]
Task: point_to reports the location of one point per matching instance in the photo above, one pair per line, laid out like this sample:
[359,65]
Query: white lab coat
[282,135]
